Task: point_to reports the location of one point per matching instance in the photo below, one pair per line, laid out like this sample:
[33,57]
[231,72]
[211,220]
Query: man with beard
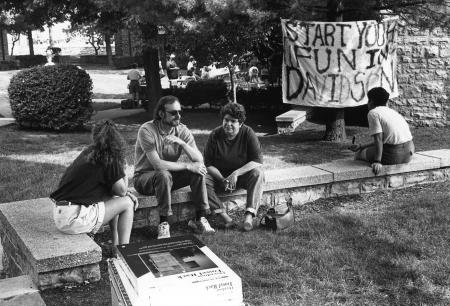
[159,145]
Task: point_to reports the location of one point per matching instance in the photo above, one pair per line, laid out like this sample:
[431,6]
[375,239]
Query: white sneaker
[204,226]
[163,230]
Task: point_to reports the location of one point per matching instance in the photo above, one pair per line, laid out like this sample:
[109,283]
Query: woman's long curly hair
[108,144]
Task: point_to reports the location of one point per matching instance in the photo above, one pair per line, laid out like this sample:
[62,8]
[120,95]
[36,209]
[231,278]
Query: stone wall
[305,194]
[423,76]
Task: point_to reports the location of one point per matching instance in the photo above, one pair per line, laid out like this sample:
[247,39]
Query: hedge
[55,97]
[199,92]
[27,61]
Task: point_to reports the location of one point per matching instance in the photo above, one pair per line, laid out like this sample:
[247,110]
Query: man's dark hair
[161,106]
[235,110]
[134,65]
[379,96]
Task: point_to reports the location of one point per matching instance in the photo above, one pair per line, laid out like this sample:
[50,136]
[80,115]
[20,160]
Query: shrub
[51,97]
[27,61]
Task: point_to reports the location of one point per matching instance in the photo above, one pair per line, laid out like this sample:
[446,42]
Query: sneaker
[204,226]
[163,230]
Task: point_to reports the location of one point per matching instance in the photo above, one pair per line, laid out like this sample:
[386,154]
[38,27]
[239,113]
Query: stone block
[19,290]
[373,184]
[416,178]
[308,194]
[443,155]
[417,163]
[347,169]
[289,121]
[437,176]
[296,177]
[345,188]
[431,51]
[41,247]
[395,181]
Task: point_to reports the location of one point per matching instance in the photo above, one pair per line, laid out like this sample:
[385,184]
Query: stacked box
[173,271]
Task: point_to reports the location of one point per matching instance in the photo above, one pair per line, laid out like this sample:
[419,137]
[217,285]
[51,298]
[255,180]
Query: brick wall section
[423,76]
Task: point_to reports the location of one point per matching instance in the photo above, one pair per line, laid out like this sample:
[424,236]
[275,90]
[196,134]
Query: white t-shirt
[394,127]
[134,74]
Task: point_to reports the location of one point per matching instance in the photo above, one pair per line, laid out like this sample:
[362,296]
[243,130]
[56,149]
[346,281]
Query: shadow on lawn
[398,250]
[23,180]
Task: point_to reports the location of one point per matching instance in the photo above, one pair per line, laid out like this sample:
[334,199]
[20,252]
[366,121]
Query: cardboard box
[176,271]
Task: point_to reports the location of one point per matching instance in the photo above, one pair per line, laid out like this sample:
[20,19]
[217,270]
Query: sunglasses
[175,112]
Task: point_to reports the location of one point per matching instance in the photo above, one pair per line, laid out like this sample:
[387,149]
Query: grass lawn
[385,248]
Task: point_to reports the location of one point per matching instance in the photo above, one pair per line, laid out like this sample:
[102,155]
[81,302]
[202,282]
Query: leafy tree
[29,15]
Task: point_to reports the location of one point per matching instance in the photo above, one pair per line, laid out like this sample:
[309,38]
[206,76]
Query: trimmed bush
[27,61]
[55,97]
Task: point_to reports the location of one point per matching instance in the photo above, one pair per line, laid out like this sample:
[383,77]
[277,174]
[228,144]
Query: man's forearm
[193,153]
[246,168]
[171,166]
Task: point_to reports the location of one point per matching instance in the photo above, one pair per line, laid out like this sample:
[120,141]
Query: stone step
[289,121]
[19,291]
[32,245]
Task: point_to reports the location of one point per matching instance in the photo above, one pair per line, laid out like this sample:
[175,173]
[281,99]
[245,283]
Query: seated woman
[93,190]
[392,138]
[233,159]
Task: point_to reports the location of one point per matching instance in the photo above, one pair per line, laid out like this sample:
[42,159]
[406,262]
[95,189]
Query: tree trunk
[151,68]
[335,127]
[2,43]
[109,50]
[30,41]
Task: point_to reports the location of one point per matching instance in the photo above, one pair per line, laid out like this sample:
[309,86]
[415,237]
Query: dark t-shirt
[229,155]
[86,183]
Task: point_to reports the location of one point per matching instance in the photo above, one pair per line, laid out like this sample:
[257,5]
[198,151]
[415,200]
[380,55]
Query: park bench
[33,246]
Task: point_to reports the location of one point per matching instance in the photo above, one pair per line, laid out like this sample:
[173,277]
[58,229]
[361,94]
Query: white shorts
[79,219]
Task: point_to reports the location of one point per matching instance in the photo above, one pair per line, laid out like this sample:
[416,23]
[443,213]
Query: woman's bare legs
[113,227]
[123,209]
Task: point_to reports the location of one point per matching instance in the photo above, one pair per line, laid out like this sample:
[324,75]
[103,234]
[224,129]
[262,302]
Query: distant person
[134,76]
[172,68]
[93,190]
[392,140]
[205,73]
[233,158]
[159,145]
[49,55]
[253,72]
[191,63]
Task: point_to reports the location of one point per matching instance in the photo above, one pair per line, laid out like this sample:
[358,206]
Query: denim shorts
[79,219]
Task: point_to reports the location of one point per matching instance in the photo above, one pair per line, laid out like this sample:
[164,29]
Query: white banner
[334,64]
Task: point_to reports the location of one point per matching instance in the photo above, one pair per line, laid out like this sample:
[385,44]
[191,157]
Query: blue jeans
[161,183]
[252,181]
